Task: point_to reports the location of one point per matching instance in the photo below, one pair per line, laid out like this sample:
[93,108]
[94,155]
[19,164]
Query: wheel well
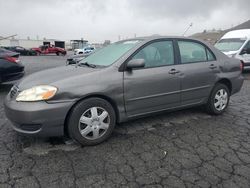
[227,83]
[113,104]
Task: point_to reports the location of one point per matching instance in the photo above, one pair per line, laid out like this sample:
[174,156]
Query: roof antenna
[191,24]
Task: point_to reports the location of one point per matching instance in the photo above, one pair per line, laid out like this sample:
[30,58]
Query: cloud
[97,20]
[181,9]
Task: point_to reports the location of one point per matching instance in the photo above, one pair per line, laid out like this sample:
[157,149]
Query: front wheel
[91,121]
[218,100]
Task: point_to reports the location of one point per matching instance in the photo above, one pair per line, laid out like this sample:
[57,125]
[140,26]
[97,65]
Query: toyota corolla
[125,80]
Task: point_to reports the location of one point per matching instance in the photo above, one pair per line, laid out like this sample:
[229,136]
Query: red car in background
[50,49]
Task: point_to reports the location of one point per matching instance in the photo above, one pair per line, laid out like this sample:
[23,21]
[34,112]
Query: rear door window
[192,52]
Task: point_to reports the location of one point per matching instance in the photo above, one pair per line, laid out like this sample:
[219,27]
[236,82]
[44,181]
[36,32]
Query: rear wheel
[218,100]
[91,121]
[58,53]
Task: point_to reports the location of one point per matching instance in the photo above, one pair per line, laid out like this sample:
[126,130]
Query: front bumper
[37,118]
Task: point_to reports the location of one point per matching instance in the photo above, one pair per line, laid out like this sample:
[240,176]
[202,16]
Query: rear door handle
[173,71]
[212,66]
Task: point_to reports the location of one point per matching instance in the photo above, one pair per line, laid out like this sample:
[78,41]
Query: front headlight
[37,93]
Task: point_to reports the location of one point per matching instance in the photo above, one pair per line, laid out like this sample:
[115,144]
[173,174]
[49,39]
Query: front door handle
[212,66]
[173,71]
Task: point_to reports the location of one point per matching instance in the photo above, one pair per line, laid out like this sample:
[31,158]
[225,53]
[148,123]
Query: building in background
[77,44]
[68,45]
[31,43]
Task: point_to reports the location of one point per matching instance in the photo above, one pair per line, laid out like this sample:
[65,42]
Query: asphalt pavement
[187,148]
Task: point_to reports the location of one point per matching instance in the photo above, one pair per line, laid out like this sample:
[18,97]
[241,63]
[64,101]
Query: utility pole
[191,24]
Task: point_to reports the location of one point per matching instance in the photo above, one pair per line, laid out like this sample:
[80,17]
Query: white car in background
[236,44]
[85,50]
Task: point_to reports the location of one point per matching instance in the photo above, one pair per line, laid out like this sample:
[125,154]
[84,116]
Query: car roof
[155,37]
[242,33]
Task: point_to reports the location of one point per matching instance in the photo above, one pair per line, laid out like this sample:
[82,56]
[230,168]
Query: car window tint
[247,46]
[157,54]
[192,52]
[210,56]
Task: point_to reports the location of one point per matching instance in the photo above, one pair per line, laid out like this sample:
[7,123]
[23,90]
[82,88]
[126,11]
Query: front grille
[13,92]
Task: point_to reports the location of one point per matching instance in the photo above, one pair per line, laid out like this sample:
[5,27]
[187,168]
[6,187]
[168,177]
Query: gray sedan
[125,80]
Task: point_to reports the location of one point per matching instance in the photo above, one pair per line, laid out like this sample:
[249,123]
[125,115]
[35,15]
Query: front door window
[157,54]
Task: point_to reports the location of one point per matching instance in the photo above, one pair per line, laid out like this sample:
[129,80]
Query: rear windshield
[110,54]
[226,45]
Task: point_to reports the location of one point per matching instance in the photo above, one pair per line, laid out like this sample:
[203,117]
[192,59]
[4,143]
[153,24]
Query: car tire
[57,53]
[218,100]
[91,121]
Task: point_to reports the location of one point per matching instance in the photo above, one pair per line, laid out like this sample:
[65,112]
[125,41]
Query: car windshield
[110,54]
[226,45]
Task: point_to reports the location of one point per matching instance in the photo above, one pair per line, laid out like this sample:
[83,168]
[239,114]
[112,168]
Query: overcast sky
[98,20]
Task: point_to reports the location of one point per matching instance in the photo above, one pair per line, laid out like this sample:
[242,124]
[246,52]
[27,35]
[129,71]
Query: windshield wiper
[86,64]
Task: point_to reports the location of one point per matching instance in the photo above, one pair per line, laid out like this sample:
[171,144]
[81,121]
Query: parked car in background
[10,66]
[49,49]
[21,50]
[125,80]
[236,44]
[5,53]
[76,58]
[85,50]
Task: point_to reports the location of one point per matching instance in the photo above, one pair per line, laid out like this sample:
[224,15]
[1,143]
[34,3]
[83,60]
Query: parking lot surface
[179,149]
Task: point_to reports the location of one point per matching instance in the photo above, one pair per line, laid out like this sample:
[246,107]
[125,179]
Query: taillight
[241,65]
[12,59]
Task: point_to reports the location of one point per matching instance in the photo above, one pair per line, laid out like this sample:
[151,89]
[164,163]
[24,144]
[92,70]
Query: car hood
[55,76]
[230,53]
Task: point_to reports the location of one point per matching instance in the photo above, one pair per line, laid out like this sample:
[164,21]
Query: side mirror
[136,63]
